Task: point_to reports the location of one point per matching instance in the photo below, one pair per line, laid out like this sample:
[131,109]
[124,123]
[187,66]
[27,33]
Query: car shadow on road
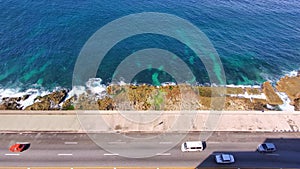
[286,156]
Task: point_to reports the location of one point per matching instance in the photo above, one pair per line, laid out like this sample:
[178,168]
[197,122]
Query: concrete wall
[148,121]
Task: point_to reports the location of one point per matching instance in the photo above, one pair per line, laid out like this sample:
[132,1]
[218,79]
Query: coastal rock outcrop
[245,104]
[168,97]
[11,103]
[49,102]
[106,103]
[290,86]
[272,97]
[69,103]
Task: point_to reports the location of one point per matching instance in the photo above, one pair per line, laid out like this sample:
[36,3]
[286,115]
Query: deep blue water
[40,40]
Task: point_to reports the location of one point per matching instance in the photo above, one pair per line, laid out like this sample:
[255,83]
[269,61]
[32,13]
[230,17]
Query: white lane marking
[165,142]
[272,154]
[71,142]
[116,142]
[107,154]
[163,154]
[12,154]
[64,154]
[214,142]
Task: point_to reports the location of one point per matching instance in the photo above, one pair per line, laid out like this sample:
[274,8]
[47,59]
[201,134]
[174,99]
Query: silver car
[266,148]
[224,158]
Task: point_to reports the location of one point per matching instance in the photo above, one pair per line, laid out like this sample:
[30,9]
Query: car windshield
[264,146]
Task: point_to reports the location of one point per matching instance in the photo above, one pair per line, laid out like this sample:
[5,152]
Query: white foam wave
[286,102]
[168,84]
[250,96]
[34,93]
[11,93]
[293,73]
[15,93]
[243,86]
[94,86]
[77,90]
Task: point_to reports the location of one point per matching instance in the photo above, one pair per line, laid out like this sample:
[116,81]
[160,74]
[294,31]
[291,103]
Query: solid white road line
[71,143]
[163,154]
[166,142]
[12,154]
[107,154]
[116,142]
[64,154]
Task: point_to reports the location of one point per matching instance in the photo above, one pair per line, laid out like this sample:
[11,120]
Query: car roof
[22,142]
[226,157]
[270,145]
[194,143]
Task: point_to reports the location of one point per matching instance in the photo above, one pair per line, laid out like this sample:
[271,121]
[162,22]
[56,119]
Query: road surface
[71,150]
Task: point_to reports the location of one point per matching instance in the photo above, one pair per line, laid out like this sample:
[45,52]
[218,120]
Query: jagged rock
[26,96]
[234,90]
[272,97]
[297,104]
[106,103]
[49,102]
[86,102]
[235,103]
[2,107]
[69,104]
[290,86]
[11,103]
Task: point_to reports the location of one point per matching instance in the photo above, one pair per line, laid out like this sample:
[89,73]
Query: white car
[192,146]
[266,148]
[224,158]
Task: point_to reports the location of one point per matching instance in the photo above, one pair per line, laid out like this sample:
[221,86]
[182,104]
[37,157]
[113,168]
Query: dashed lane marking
[163,154]
[64,154]
[12,154]
[114,154]
[71,143]
[117,142]
[166,142]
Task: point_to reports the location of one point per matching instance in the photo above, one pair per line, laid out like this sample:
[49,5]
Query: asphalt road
[53,149]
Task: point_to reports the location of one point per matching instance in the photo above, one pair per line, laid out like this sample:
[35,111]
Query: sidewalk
[148,121]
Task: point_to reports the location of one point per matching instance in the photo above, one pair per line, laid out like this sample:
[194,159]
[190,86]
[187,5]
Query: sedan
[266,148]
[224,158]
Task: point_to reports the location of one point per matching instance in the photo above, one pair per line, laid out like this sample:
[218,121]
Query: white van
[192,146]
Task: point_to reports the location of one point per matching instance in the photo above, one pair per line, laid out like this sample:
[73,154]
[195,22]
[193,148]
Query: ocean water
[40,40]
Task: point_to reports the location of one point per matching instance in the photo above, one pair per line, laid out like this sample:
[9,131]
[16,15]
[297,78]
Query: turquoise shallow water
[40,40]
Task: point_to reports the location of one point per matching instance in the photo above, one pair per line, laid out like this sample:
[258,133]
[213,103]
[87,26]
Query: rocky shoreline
[284,95]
